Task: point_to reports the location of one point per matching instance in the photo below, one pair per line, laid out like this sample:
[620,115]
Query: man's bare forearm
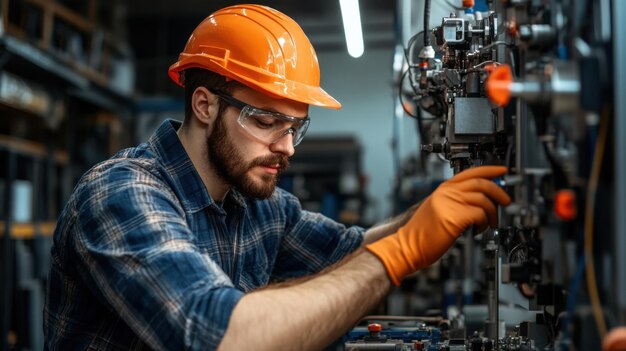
[391,226]
[311,314]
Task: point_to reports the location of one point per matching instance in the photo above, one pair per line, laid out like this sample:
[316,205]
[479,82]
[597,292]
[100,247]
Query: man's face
[233,167]
[253,167]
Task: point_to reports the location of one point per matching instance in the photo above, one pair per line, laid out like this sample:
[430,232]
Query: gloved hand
[465,200]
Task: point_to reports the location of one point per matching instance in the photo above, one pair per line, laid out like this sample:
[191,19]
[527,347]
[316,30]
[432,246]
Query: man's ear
[205,105]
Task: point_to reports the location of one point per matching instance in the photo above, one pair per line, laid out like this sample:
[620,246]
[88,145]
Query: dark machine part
[455,92]
[524,257]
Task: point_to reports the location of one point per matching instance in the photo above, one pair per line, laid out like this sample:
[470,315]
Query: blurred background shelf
[80,40]
[25,231]
[66,101]
[327,176]
[31,148]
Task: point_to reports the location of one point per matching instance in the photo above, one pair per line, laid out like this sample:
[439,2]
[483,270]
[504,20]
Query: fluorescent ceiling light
[352,27]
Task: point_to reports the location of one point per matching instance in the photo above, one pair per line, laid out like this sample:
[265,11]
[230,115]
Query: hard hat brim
[256,79]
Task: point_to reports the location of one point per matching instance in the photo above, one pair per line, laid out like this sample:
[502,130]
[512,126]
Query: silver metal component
[582,47]
[560,87]
[537,34]
[453,30]
[605,26]
[514,209]
[532,90]
[459,148]
[565,87]
[512,179]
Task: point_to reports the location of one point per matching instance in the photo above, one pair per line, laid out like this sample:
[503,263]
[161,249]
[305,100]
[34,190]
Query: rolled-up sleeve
[140,260]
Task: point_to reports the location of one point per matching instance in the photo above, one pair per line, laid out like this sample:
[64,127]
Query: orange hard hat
[259,47]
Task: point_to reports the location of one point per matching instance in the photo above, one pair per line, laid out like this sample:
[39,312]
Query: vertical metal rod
[493,280]
[496,280]
[619,58]
[468,258]
[491,309]
[519,155]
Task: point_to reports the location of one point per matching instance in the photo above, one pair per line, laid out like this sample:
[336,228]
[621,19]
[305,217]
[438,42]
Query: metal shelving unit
[63,108]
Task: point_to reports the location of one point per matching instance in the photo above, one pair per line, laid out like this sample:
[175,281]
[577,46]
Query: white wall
[364,88]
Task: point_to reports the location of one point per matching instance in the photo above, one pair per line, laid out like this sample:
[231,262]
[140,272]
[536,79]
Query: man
[185,242]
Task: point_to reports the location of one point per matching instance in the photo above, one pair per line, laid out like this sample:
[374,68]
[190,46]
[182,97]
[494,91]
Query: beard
[230,165]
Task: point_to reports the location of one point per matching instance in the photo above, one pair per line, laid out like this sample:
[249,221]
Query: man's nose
[284,145]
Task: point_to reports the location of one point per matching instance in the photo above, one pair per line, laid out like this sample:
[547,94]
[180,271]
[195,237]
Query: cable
[500,42]
[418,111]
[400,94]
[410,44]
[484,63]
[514,250]
[422,135]
[426,22]
[495,43]
[508,48]
[408,58]
[592,187]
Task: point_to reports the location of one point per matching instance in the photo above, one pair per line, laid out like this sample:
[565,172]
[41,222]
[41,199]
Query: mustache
[271,161]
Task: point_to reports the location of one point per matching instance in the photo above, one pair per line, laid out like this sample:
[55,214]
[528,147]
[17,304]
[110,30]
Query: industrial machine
[537,86]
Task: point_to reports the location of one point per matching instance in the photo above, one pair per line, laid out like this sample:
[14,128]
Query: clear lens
[270,127]
[264,125]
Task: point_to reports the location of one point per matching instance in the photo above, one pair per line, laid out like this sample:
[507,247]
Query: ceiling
[320,19]
[158,31]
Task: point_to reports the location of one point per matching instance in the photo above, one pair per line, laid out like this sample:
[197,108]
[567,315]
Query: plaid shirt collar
[178,165]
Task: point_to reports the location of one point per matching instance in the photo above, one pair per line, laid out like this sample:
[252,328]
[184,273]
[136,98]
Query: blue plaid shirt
[143,258]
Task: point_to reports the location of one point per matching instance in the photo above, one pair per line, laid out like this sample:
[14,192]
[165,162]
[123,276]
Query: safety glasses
[267,126]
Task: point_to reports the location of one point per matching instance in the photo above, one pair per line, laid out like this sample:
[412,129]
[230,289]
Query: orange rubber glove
[465,200]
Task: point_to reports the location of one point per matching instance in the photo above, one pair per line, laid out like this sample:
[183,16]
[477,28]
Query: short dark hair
[194,78]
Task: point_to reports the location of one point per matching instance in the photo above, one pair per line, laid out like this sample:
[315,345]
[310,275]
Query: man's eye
[264,122]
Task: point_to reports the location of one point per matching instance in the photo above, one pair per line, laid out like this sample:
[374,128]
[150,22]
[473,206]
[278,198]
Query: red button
[374,327]
[565,205]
